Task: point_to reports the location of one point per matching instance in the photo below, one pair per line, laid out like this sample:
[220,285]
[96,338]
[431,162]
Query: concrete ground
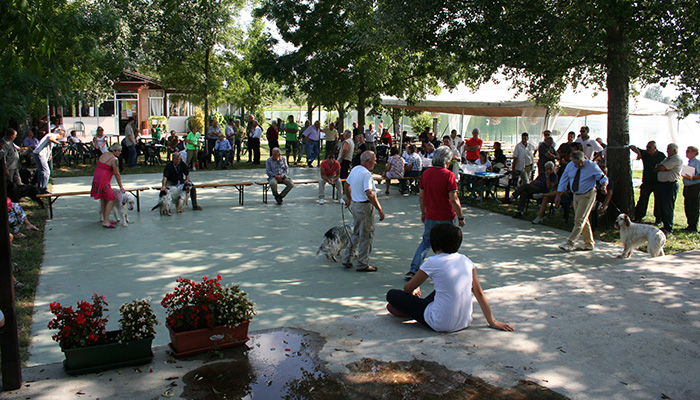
[588,325]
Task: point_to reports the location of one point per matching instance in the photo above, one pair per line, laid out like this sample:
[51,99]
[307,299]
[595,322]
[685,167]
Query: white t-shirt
[360,180]
[45,147]
[487,163]
[590,146]
[452,278]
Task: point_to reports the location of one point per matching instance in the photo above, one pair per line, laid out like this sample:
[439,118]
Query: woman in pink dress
[107,166]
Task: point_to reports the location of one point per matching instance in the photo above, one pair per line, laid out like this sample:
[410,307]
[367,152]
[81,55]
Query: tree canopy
[545,46]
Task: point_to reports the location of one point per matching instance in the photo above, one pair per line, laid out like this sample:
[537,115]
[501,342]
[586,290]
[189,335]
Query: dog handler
[176,173]
[362,194]
[107,166]
[449,307]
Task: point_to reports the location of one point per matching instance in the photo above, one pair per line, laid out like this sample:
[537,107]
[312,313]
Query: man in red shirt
[473,146]
[439,202]
[330,173]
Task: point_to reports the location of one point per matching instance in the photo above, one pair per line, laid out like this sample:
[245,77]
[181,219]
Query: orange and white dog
[634,235]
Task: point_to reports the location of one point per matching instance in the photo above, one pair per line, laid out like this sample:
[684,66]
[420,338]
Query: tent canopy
[499,100]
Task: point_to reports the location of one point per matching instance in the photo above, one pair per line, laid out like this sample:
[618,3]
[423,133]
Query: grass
[28,254]
[678,242]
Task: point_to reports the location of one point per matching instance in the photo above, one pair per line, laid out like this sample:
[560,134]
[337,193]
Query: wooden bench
[55,196]
[238,185]
[266,185]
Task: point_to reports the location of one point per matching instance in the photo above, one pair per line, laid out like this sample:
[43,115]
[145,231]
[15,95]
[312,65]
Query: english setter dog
[634,235]
[173,194]
[335,240]
[123,203]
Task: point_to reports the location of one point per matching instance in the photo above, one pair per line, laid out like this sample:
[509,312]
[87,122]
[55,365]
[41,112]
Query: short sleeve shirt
[291,136]
[474,155]
[437,183]
[360,180]
[177,173]
[191,137]
[330,168]
[452,275]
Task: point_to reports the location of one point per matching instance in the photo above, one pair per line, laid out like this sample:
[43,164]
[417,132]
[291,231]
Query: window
[179,108]
[156,102]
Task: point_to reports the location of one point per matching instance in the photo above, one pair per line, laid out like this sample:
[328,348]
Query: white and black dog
[173,194]
[123,203]
[335,240]
[634,235]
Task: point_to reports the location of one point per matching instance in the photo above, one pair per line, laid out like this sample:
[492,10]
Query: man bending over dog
[176,173]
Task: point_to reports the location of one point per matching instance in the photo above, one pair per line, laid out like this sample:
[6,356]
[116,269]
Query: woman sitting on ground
[449,307]
[394,167]
[16,217]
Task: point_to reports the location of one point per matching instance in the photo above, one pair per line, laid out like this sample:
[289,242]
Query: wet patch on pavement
[283,363]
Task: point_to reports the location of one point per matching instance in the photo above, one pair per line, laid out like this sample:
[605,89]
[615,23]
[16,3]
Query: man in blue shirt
[581,176]
[691,190]
[277,170]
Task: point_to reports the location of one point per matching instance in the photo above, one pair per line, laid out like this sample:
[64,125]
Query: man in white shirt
[254,142]
[313,137]
[590,146]
[371,138]
[42,154]
[524,158]
[361,194]
[669,173]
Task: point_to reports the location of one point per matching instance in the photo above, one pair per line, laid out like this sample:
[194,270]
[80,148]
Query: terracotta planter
[107,356]
[201,340]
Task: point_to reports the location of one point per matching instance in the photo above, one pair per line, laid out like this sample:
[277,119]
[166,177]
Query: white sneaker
[340,201]
[584,247]
[537,220]
[538,196]
[566,247]
[320,202]
[194,168]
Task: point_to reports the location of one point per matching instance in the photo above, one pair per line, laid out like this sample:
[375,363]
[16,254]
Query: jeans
[667,203]
[43,172]
[424,246]
[131,161]
[312,150]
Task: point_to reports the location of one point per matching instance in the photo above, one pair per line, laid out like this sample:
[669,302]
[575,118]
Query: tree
[545,46]
[345,56]
[63,50]
[190,43]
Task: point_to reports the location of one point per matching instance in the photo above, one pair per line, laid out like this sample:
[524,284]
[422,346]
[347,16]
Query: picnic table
[478,184]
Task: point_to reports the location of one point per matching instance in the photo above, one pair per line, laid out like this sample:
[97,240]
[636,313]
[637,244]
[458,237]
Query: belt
[366,201]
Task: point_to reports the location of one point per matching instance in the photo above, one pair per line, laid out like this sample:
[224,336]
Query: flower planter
[201,340]
[107,356]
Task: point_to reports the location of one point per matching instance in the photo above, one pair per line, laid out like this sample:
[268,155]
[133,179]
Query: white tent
[499,100]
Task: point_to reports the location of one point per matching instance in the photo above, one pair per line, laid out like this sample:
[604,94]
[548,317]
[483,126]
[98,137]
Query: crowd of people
[574,173]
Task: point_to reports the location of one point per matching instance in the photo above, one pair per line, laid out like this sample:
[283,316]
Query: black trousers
[344,169]
[645,191]
[691,201]
[254,148]
[409,304]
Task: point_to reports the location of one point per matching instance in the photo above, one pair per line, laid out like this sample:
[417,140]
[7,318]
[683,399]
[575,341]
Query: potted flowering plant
[89,347]
[204,316]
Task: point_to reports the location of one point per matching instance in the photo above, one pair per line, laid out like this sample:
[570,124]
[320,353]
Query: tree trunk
[205,127]
[310,111]
[361,97]
[618,153]
[341,118]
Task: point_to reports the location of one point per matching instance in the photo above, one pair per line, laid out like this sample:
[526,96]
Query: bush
[420,122]
[197,120]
